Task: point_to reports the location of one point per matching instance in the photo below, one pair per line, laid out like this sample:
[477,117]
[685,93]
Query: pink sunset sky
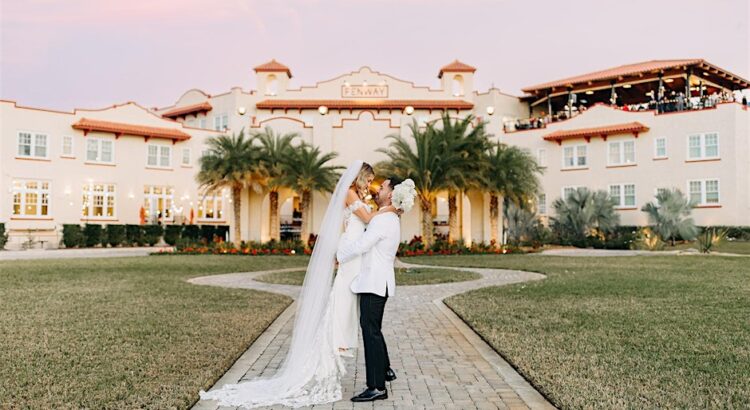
[93,53]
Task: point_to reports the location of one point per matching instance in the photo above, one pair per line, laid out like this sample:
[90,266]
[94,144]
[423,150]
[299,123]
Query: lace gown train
[316,376]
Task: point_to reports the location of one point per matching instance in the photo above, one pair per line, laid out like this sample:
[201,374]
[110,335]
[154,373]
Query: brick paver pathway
[439,361]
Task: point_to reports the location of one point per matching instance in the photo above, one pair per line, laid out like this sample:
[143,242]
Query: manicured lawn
[414,276]
[620,332]
[125,332]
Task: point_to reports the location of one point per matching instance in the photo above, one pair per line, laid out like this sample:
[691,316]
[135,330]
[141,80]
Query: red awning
[605,131]
[188,109]
[118,128]
[366,104]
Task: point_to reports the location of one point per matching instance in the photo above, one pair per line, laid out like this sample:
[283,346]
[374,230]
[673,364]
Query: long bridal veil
[310,373]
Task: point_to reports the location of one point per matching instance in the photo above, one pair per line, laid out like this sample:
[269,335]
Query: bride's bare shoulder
[351,196]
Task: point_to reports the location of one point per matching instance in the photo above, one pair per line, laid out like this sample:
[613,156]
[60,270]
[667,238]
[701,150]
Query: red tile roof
[273,66]
[188,109]
[616,129]
[366,104]
[629,69]
[456,67]
[118,128]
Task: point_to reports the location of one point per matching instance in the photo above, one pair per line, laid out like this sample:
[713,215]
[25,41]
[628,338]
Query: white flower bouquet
[403,195]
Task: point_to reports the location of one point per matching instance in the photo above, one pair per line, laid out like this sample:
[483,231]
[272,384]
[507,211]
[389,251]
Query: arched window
[272,84]
[458,85]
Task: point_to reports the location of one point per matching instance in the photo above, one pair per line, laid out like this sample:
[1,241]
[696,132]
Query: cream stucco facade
[350,114]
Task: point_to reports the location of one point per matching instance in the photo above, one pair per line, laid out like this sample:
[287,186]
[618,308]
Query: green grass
[620,332]
[125,332]
[738,247]
[404,277]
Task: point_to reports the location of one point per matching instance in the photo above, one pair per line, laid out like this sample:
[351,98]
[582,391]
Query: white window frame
[166,195]
[189,157]
[620,204]
[657,189]
[703,191]
[23,190]
[541,204]
[702,146]
[562,190]
[221,122]
[32,145]
[202,122]
[99,150]
[65,140]
[656,148]
[89,200]
[541,157]
[219,212]
[159,150]
[621,161]
[576,157]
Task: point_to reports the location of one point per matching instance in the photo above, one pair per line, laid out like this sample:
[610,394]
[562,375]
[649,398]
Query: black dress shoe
[390,375]
[371,395]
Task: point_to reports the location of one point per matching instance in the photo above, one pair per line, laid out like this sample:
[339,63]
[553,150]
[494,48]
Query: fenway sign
[364,91]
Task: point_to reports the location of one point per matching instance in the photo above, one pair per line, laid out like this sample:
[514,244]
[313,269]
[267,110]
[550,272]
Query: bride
[327,318]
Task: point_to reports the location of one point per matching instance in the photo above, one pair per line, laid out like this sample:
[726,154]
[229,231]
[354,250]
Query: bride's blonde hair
[360,185]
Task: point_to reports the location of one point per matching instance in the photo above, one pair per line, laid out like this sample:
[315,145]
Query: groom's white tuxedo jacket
[378,245]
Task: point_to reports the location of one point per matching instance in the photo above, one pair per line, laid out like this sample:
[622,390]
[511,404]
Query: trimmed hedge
[3,236]
[172,233]
[134,235]
[208,232]
[191,232]
[72,236]
[115,235]
[152,234]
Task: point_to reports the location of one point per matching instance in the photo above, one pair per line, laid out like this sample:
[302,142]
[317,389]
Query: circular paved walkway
[440,362]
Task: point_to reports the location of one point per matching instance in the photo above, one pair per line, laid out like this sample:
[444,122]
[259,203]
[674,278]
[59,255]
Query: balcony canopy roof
[87,125]
[187,110]
[644,71]
[604,131]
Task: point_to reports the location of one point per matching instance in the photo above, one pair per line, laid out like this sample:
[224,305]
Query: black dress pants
[371,307]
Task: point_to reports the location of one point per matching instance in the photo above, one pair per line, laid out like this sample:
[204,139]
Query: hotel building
[630,130]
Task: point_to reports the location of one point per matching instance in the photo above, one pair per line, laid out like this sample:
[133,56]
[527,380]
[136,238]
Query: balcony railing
[673,103]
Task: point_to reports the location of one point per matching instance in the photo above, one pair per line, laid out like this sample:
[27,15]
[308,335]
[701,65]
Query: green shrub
[115,235]
[648,240]
[191,232]
[172,234]
[208,232]
[221,231]
[710,238]
[72,236]
[134,235]
[92,234]
[3,236]
[152,234]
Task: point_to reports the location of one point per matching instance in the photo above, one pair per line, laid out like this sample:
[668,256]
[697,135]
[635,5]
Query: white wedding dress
[326,319]
[344,302]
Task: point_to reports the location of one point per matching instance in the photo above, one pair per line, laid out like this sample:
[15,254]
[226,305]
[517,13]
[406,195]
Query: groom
[375,282]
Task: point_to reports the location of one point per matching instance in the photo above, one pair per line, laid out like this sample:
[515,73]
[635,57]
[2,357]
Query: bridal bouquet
[403,195]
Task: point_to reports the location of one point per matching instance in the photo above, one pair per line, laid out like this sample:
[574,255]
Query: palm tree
[512,174]
[468,142]
[428,163]
[583,213]
[305,171]
[230,163]
[670,216]
[275,149]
